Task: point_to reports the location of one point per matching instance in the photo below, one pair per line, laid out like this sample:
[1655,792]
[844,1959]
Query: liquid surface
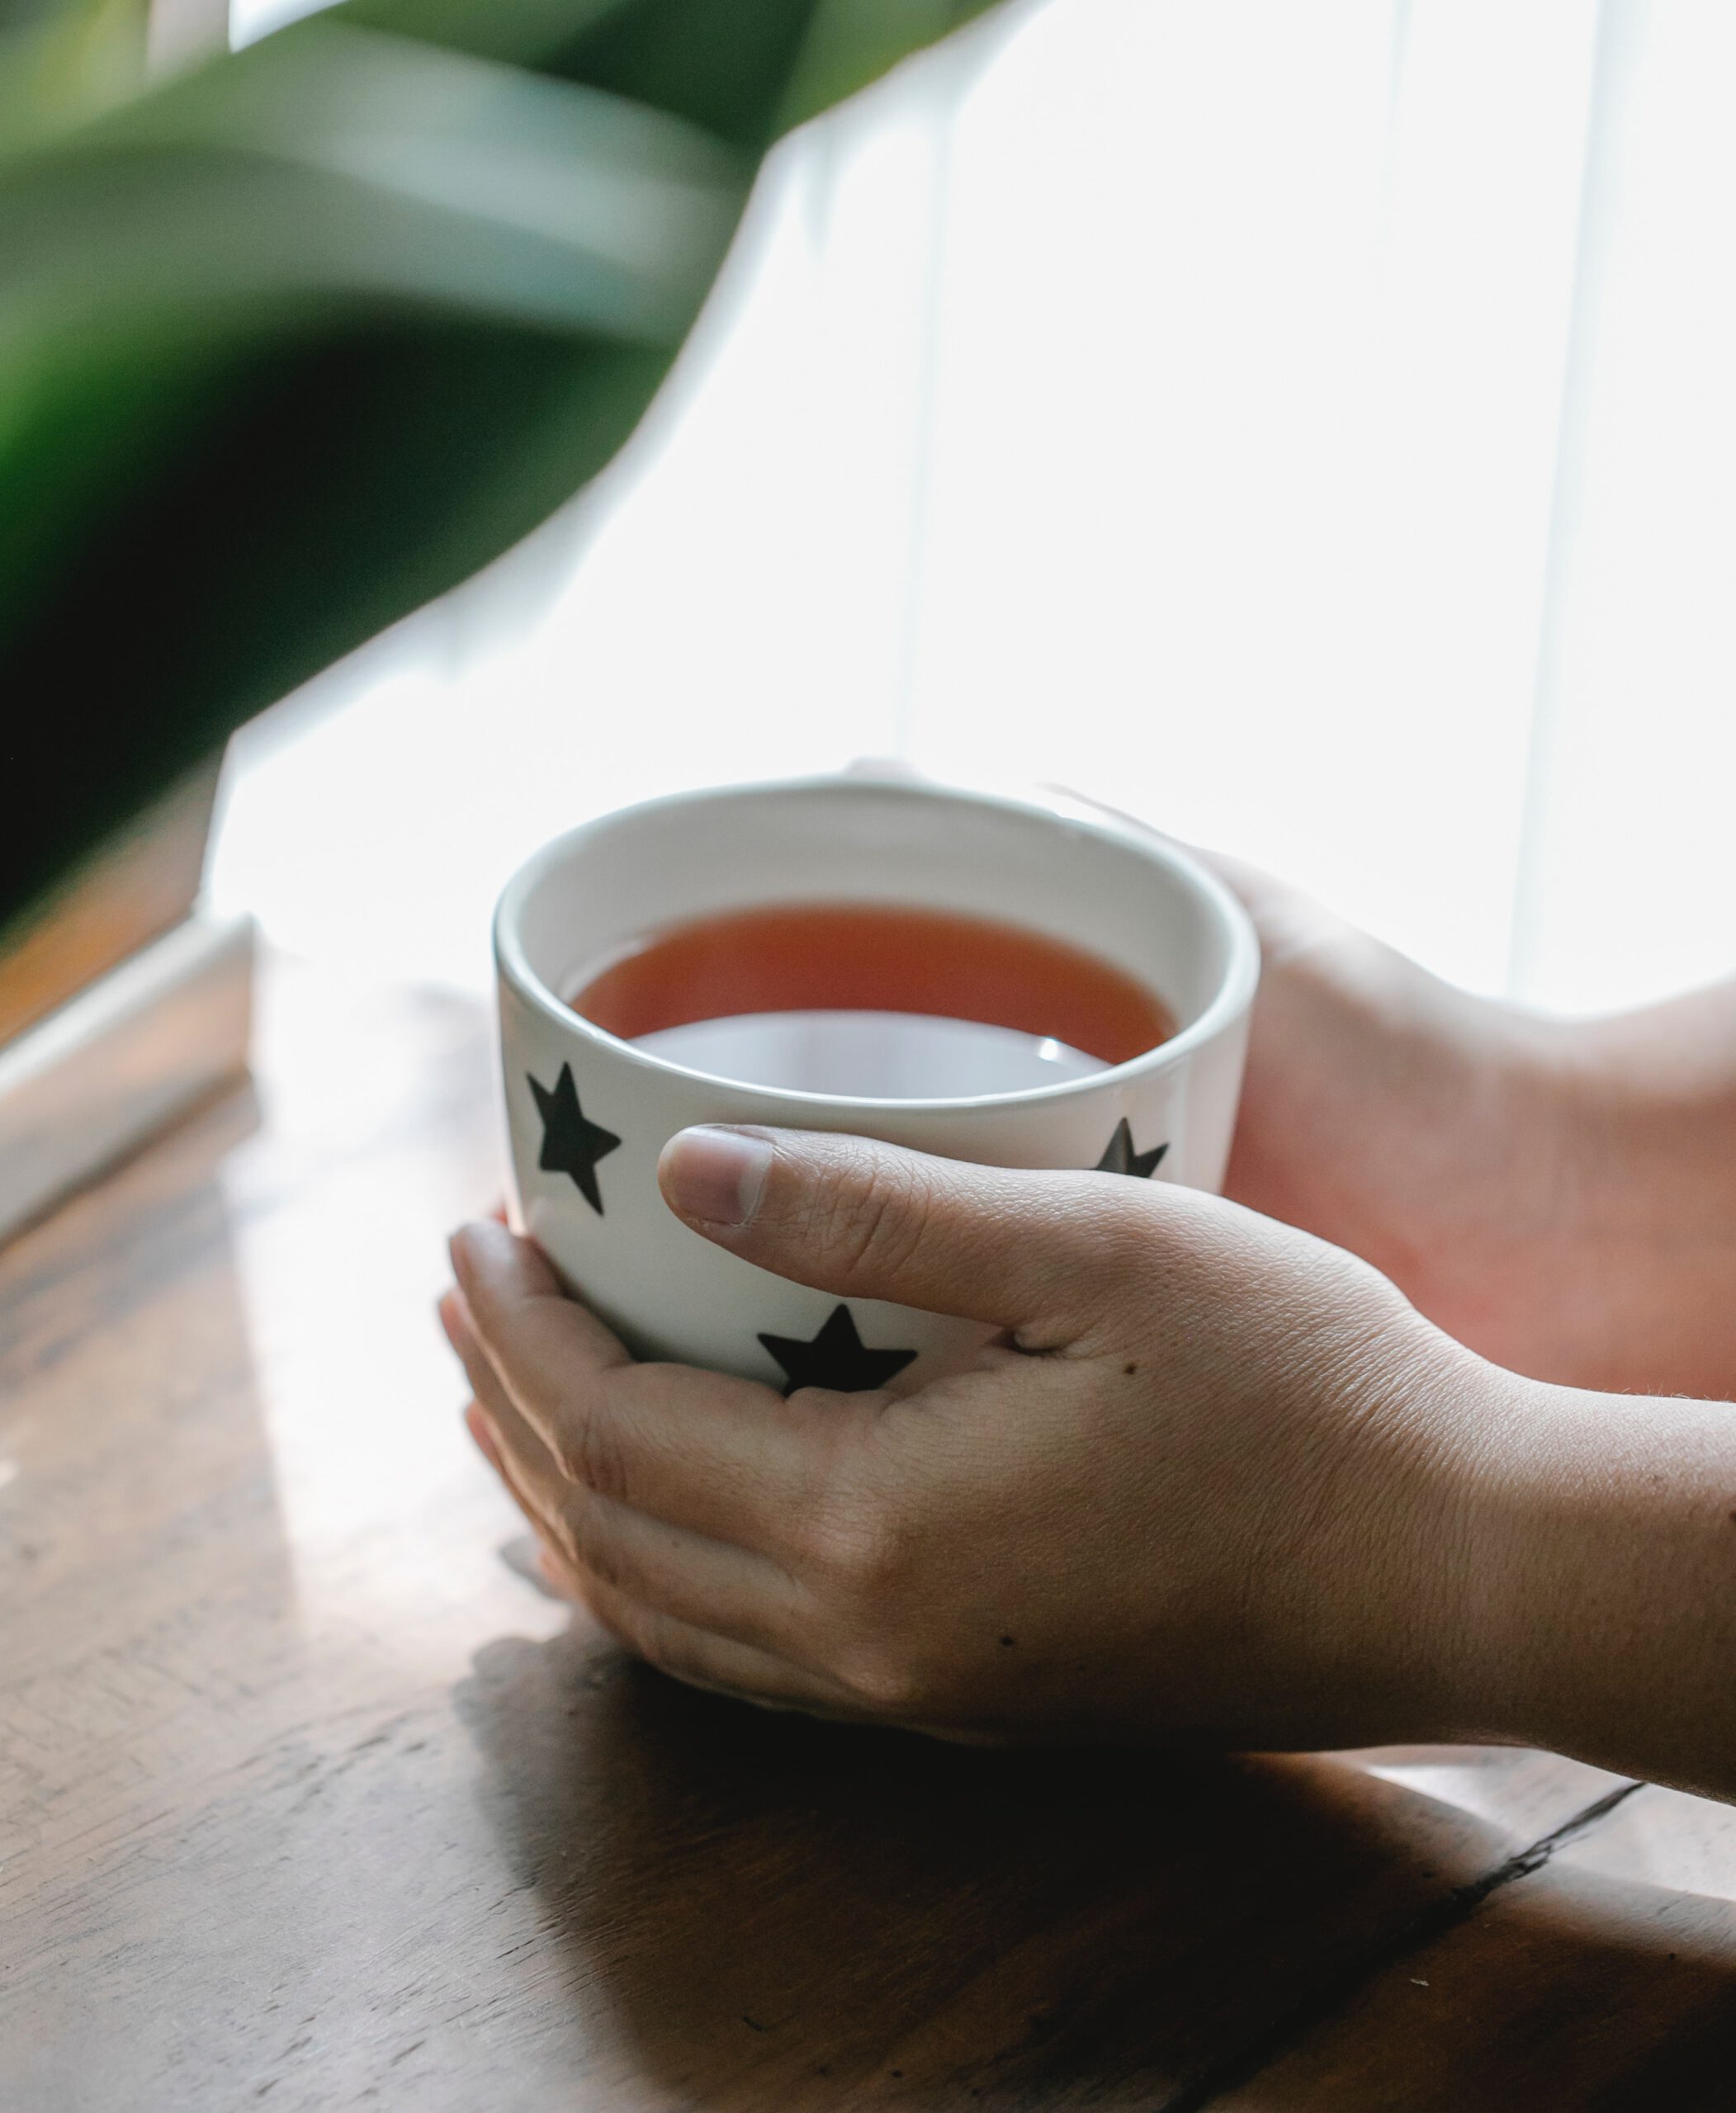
[874,958]
[870,1056]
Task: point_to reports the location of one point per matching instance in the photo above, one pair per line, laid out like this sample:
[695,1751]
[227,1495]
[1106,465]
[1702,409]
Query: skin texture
[1556,1195]
[1298,1467]
[871,1552]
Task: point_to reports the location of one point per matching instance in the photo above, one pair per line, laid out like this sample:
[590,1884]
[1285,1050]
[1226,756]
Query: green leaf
[297,341]
[62,60]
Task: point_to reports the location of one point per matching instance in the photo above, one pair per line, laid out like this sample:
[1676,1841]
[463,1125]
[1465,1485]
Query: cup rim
[1233,997]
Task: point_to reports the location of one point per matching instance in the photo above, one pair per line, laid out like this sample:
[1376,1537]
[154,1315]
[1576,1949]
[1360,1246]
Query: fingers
[556,1572]
[672,1610]
[741,1594]
[501,1274]
[1035,1252]
[682,1638]
[723,1456]
[702,1658]
[483,1419]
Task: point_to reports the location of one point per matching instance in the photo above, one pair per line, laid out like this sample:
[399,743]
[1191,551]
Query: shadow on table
[773,1912]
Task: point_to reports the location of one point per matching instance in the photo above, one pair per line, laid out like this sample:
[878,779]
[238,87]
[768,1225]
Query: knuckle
[590,1452]
[560,1535]
[1125,1234]
[874,1221]
[883,1678]
[594,1554]
[671,1649]
[651,1639]
[657,1644]
[858,1551]
[561,1571]
[646,1634]
[611,1611]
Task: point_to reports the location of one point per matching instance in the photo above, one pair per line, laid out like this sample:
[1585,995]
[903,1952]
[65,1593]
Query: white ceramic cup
[589,1114]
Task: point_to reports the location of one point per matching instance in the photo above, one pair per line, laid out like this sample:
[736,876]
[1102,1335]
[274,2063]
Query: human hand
[1449,1140]
[1216,1482]
[1546,1191]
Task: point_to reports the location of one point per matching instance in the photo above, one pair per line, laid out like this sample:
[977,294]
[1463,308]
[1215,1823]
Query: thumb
[1038,1252]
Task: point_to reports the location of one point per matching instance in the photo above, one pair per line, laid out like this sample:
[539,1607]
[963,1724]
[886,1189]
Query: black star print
[1119,1156]
[835,1358]
[571,1142]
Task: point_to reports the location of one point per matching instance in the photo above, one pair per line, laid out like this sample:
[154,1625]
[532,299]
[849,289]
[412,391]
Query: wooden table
[308,1798]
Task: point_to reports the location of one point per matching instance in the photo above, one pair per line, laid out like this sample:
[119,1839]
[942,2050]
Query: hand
[1215,1483]
[1448,1139]
[1560,1196]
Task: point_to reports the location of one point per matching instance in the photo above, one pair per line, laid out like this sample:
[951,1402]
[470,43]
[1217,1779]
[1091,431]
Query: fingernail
[451,1320]
[477,1424]
[717,1173]
[474,1243]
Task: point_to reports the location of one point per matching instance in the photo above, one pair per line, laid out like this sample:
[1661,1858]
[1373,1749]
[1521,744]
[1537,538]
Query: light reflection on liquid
[870,1056]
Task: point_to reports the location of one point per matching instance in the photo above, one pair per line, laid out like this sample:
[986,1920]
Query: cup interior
[1131,900]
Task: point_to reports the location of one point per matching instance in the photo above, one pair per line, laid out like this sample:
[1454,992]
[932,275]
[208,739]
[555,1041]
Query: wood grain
[308,1799]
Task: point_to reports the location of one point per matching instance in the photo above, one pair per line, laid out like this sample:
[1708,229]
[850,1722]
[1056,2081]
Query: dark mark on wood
[1166,1920]
[1337,1993]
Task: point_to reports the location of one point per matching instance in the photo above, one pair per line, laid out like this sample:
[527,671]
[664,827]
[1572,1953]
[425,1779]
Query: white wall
[1308,425]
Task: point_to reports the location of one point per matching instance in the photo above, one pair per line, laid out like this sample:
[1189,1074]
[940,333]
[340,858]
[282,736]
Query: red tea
[874,998]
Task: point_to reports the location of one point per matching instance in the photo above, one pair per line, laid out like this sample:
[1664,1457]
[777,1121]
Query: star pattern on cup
[836,1358]
[1121,1156]
[572,1144]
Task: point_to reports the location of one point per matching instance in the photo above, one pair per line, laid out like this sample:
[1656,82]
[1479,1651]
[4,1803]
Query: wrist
[1418,1608]
[1456,1606]
[1597,1611]
[1502,1541]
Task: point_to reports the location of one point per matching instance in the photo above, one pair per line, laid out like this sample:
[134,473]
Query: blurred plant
[296,340]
